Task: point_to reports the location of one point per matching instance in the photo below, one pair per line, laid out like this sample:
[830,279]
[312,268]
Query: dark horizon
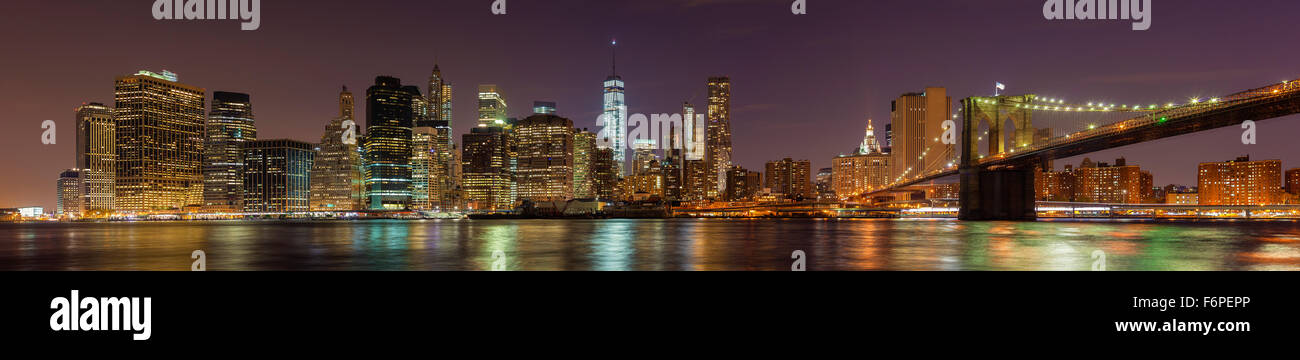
[803,86]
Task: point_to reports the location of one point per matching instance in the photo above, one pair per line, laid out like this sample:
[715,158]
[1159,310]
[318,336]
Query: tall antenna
[613,46]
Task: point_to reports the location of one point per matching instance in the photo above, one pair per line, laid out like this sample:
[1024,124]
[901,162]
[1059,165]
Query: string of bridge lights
[1054,104]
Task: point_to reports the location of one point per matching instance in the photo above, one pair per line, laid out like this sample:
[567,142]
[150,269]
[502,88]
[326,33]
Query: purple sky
[803,86]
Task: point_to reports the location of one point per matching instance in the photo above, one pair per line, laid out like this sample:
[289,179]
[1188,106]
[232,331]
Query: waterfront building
[277,176]
[387,145]
[742,184]
[160,134]
[97,156]
[824,183]
[1240,182]
[336,180]
[584,157]
[791,178]
[1094,182]
[854,175]
[604,174]
[546,158]
[1293,181]
[71,194]
[718,144]
[697,180]
[487,179]
[230,125]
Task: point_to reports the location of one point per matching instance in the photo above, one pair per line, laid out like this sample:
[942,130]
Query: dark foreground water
[685,244]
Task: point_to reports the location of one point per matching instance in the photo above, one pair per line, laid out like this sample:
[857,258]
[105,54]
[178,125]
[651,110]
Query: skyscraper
[853,175]
[614,116]
[719,131]
[230,125]
[441,160]
[869,143]
[71,195]
[790,178]
[546,158]
[160,136]
[916,120]
[1240,182]
[277,176]
[97,155]
[491,106]
[387,145]
[693,137]
[584,157]
[487,179]
[438,100]
[336,181]
[697,180]
[604,173]
[424,165]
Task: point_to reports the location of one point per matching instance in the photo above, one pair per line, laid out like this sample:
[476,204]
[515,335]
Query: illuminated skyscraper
[614,116]
[71,193]
[387,146]
[487,179]
[869,143]
[584,157]
[277,176]
[424,165]
[336,180]
[790,178]
[605,174]
[693,137]
[97,155]
[854,175]
[491,106]
[546,158]
[916,120]
[438,101]
[719,132]
[697,180]
[230,125]
[824,184]
[160,136]
[1240,182]
[441,160]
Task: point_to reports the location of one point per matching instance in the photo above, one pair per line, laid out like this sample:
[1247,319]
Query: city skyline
[833,119]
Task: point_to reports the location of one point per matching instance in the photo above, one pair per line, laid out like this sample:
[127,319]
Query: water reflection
[686,244]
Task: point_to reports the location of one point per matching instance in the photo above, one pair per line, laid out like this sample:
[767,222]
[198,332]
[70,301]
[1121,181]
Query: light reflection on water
[679,244]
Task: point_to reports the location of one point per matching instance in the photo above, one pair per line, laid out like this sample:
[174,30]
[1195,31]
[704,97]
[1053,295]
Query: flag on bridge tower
[998,87]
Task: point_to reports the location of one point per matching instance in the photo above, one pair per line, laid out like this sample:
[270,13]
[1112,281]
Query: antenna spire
[613,45]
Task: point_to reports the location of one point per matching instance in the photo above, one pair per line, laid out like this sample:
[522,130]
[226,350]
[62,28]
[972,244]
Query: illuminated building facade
[742,184]
[387,145]
[97,155]
[697,180]
[160,136]
[916,120]
[491,106]
[1241,182]
[546,158]
[718,144]
[71,193]
[423,162]
[336,181]
[790,178]
[854,175]
[487,179]
[277,176]
[604,173]
[644,159]
[584,157]
[230,125]
[824,183]
[1096,183]
[614,116]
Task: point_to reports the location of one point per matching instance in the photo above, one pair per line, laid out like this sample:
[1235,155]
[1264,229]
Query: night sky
[803,86]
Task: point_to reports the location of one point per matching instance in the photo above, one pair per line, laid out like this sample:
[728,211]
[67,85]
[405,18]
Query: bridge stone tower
[1005,192]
